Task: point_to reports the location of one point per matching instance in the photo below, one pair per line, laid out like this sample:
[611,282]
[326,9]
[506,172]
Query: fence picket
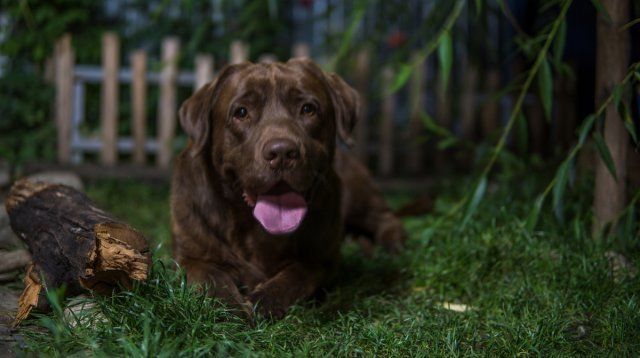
[139,105]
[64,63]
[468,102]
[415,127]
[301,50]
[167,101]
[109,98]
[239,52]
[204,71]
[491,108]
[361,130]
[385,153]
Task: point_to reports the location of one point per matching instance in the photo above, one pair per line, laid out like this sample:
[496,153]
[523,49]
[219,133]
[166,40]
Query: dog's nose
[281,153]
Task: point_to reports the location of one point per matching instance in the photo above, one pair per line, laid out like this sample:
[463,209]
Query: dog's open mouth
[280,210]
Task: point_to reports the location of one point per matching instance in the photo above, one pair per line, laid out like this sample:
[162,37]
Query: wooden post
[385,153]
[633,158]
[138,102]
[301,50]
[239,52]
[167,103]
[267,58]
[491,108]
[64,62]
[204,71]
[612,60]
[109,98]
[415,127]
[362,86]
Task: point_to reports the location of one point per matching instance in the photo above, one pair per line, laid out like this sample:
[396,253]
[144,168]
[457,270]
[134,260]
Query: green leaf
[617,95]
[601,9]
[558,190]
[478,8]
[627,121]
[478,194]
[631,128]
[431,125]
[401,78]
[532,219]
[347,36]
[605,154]
[545,86]
[631,221]
[445,56]
[447,143]
[559,43]
[630,24]
[587,124]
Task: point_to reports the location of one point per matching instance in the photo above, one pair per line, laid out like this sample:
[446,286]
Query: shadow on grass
[358,279]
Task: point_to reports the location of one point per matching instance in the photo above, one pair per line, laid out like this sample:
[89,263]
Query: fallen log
[72,243]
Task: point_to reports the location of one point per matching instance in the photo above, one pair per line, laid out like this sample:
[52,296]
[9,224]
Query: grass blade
[545,86]
[478,194]
[605,154]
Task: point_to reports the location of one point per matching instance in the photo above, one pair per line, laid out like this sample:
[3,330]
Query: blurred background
[95,85]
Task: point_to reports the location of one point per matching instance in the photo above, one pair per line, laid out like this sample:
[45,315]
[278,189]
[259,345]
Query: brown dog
[260,196]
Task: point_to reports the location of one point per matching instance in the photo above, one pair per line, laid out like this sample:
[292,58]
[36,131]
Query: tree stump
[72,243]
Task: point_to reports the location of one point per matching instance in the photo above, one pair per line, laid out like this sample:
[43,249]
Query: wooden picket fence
[390,144]
[71,81]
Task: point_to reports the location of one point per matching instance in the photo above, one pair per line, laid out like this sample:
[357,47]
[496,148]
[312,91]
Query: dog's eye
[240,113]
[308,109]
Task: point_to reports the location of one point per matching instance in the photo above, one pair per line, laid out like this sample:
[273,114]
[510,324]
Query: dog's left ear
[347,106]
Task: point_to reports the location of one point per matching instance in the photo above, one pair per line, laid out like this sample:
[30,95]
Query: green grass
[547,292]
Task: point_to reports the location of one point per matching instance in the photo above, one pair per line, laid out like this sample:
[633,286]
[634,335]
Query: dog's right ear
[196,113]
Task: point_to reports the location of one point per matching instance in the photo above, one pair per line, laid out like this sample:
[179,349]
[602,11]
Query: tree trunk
[612,60]
[72,243]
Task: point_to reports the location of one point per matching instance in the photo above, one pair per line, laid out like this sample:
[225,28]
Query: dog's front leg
[218,283]
[296,281]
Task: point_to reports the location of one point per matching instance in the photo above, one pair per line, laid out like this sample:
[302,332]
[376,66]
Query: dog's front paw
[268,305]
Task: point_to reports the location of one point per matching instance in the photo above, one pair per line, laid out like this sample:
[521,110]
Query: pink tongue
[280,214]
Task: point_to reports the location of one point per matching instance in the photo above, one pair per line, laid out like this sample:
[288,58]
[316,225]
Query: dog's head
[270,130]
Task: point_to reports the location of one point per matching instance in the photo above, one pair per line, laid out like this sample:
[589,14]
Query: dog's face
[270,131]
